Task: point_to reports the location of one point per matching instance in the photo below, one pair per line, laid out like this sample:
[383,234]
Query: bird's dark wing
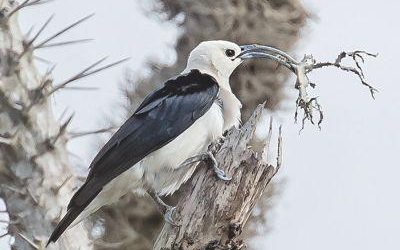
[162,116]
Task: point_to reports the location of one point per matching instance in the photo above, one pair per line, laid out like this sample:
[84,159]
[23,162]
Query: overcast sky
[341,184]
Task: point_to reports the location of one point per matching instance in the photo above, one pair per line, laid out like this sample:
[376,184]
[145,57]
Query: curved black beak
[253,51]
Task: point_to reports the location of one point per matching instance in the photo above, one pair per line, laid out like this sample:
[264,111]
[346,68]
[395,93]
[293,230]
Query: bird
[156,149]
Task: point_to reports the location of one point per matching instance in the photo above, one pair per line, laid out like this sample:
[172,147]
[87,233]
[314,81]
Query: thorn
[27,34]
[51,69]
[63,31]
[106,67]
[62,130]
[62,114]
[40,2]
[37,95]
[66,123]
[86,72]
[52,45]
[44,82]
[32,196]
[4,235]
[57,189]
[75,135]
[81,88]
[25,4]
[28,45]
[22,5]
[76,157]
[28,241]
[77,76]
[15,190]
[40,59]
[31,41]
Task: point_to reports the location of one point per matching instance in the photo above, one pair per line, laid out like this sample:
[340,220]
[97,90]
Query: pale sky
[341,183]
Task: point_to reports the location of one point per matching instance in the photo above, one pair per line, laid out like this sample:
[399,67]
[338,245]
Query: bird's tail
[76,206]
[66,221]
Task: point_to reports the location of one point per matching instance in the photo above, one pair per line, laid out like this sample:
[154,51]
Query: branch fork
[308,64]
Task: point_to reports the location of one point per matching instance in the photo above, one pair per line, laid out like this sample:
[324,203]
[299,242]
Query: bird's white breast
[161,168]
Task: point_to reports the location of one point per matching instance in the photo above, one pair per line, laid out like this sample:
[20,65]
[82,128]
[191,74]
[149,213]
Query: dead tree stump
[211,212]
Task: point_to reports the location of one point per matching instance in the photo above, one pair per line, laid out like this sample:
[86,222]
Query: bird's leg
[166,210]
[194,159]
[210,157]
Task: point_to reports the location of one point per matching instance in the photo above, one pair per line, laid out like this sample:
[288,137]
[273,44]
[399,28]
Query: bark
[212,213]
[36,178]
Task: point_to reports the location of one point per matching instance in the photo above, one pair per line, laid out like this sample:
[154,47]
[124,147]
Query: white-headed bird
[156,149]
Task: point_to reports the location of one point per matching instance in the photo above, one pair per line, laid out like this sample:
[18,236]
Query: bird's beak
[252,51]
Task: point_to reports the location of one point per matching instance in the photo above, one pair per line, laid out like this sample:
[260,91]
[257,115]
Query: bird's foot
[167,210]
[208,156]
[219,172]
[169,216]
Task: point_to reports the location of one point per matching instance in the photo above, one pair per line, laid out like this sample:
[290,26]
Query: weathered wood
[211,212]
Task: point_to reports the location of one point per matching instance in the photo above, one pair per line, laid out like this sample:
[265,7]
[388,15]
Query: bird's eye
[229,52]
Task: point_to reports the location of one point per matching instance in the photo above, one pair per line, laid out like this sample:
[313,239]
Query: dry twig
[306,65]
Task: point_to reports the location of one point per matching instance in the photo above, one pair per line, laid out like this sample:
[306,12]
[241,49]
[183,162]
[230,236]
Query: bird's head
[220,58]
[217,58]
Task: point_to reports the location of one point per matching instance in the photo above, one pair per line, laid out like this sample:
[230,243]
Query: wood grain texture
[211,213]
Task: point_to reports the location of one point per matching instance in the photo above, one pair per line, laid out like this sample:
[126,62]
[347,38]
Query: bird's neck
[222,80]
[231,105]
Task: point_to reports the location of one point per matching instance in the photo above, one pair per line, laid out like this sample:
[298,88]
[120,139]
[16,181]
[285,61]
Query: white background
[341,186]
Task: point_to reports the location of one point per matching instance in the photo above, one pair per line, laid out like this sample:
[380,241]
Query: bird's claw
[168,216]
[166,210]
[207,156]
[219,172]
